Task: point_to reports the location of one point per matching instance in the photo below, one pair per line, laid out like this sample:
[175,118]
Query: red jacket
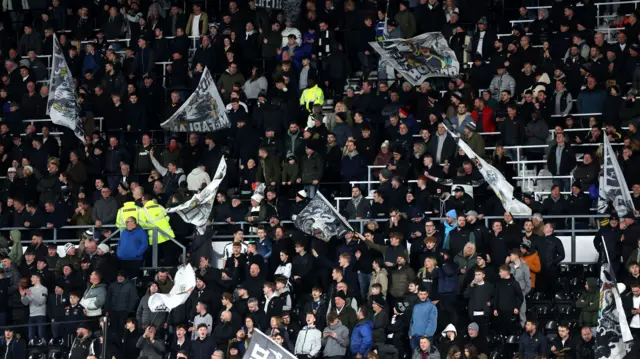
[488,123]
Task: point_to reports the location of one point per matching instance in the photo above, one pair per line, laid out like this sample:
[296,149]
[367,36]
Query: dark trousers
[38,327]
[507,322]
[118,320]
[131,268]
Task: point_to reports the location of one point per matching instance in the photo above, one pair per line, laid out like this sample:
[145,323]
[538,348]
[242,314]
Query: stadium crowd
[428,278]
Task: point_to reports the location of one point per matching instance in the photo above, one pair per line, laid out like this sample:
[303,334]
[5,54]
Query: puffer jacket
[94,299]
[501,83]
[589,303]
[362,337]
[432,354]
[195,179]
[122,297]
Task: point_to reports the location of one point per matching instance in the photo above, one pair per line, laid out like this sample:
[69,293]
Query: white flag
[613,187]
[62,104]
[197,210]
[183,285]
[321,220]
[203,111]
[502,188]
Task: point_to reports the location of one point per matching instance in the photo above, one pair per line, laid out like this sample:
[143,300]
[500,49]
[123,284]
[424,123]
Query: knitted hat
[104,247]
[256,197]
[526,244]
[378,300]
[452,213]
[67,247]
[473,326]
[401,307]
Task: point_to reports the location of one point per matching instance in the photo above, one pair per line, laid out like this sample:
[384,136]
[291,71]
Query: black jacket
[202,349]
[567,161]
[508,295]
[16,349]
[551,252]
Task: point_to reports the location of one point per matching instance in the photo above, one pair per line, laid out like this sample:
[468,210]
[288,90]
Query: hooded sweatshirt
[335,346]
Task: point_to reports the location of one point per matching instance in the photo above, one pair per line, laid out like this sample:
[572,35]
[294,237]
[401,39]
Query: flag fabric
[183,284]
[419,58]
[197,210]
[263,347]
[321,220]
[203,111]
[62,104]
[613,191]
[613,338]
[501,187]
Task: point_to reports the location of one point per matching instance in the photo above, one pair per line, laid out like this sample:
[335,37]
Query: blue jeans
[311,190]
[364,279]
[38,324]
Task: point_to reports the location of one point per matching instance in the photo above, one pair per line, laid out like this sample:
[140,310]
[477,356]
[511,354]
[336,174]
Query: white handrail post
[368,180]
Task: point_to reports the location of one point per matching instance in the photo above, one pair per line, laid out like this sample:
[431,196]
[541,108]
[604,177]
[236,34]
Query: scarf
[448,228]
[356,201]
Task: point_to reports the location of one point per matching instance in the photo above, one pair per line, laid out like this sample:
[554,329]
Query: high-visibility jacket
[312,96]
[155,216]
[129,209]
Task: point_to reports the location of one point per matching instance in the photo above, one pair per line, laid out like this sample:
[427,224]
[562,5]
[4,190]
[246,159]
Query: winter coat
[94,299]
[309,342]
[361,338]
[589,304]
[551,252]
[432,354]
[522,275]
[144,315]
[151,350]
[132,244]
[381,278]
[501,83]
[122,297]
[311,168]
[532,346]
[591,101]
[335,346]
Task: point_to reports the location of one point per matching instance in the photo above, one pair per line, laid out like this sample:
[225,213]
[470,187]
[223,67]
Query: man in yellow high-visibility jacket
[155,216]
[312,95]
[129,209]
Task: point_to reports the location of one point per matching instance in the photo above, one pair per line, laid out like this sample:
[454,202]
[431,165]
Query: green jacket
[476,143]
[311,168]
[407,23]
[12,248]
[268,170]
[290,172]
[589,304]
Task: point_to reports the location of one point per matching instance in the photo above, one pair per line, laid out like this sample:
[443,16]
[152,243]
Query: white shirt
[480,41]
[195,27]
[635,321]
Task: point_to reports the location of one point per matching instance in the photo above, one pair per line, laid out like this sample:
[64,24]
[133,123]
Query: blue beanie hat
[452,213]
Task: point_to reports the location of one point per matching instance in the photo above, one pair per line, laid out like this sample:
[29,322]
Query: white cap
[105,248]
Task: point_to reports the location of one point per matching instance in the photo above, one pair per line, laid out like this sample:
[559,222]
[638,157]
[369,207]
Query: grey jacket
[150,350]
[105,211]
[122,297]
[362,210]
[537,133]
[37,301]
[145,316]
[501,83]
[433,353]
[335,346]
[522,275]
[94,299]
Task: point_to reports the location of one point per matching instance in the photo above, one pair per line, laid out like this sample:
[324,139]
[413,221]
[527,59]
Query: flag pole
[386,19]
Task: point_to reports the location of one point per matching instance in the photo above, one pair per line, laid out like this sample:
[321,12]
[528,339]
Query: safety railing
[57,240]
[33,121]
[570,230]
[47,57]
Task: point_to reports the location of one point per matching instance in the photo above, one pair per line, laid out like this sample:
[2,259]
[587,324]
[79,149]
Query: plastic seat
[551,327]
[496,355]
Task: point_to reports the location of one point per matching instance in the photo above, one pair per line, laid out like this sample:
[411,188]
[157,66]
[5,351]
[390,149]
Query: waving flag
[419,58]
[203,111]
[62,104]
[321,220]
[502,188]
[263,347]
[613,338]
[197,210]
[183,285]
[613,187]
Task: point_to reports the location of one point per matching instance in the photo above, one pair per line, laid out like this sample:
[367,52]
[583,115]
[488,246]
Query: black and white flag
[62,104]
[263,347]
[321,220]
[613,189]
[197,210]
[203,111]
[613,338]
[501,187]
[419,58]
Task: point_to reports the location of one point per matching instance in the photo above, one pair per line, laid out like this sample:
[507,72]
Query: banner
[419,58]
[203,111]
[263,347]
[613,334]
[321,220]
[613,189]
[183,285]
[62,104]
[290,8]
[197,210]
[501,187]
